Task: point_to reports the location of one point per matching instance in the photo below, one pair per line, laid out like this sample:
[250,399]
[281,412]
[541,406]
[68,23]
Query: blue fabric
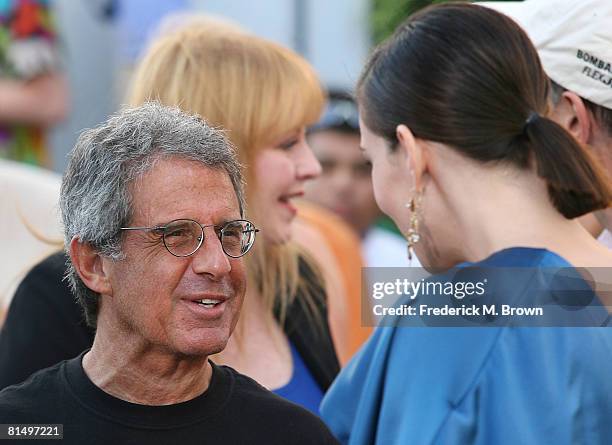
[477,385]
[302,388]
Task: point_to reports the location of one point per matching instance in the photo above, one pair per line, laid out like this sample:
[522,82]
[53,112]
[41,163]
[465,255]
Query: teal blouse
[499,385]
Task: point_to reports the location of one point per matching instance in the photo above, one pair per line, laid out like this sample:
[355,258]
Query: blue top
[302,388]
[477,385]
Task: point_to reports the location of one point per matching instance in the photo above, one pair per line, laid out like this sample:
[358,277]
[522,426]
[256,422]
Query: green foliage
[386,15]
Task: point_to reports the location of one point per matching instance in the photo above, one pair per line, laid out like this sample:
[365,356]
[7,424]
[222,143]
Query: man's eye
[232,232]
[327,166]
[363,169]
[179,230]
[175,233]
[159,231]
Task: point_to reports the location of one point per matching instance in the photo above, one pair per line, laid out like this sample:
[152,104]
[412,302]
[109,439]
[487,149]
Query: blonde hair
[257,91]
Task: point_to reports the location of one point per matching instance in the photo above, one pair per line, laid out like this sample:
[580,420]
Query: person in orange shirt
[346,262]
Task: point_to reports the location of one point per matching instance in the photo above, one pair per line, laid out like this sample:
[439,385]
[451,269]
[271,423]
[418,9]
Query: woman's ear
[415,154]
[90,266]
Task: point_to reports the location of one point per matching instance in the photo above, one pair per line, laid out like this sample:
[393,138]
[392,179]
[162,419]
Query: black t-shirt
[233,410]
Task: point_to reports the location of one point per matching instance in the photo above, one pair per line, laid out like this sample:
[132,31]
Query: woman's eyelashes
[366,156]
[288,144]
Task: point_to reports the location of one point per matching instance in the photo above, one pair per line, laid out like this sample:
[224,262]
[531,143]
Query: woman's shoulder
[46,277]
[53,264]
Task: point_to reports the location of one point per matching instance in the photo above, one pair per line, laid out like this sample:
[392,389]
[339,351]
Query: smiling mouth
[288,197]
[208,303]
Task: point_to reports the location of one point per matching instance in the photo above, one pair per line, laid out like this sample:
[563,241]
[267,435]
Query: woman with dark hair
[465,160]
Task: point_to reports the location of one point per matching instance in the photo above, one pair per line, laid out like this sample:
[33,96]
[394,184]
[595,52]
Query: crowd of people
[208,287]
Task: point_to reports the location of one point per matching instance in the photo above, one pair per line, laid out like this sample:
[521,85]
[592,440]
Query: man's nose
[210,259]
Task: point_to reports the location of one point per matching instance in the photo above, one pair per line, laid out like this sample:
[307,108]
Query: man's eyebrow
[221,222]
[226,220]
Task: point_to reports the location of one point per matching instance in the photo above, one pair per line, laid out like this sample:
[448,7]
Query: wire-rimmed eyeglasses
[183,237]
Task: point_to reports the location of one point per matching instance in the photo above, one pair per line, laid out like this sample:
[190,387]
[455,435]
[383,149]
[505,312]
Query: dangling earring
[413,232]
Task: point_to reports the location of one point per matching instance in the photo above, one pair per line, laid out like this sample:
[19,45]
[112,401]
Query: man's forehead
[176,186]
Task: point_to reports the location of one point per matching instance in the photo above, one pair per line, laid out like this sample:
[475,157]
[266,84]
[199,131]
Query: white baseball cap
[573,39]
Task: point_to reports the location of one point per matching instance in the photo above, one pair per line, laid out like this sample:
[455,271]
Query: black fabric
[311,335]
[45,325]
[233,410]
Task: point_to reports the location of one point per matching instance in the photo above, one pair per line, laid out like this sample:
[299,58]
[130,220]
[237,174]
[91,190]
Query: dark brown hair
[469,77]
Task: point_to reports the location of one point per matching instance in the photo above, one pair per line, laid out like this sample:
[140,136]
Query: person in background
[575,46]
[345,184]
[155,226]
[343,259]
[455,119]
[33,92]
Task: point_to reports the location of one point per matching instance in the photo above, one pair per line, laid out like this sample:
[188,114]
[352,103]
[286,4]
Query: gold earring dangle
[413,232]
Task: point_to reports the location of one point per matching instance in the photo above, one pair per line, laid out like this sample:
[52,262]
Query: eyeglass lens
[183,237]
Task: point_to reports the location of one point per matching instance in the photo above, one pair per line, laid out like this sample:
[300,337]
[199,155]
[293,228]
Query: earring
[413,232]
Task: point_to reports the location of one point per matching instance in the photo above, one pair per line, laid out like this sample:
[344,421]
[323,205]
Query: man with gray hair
[153,209]
[574,42]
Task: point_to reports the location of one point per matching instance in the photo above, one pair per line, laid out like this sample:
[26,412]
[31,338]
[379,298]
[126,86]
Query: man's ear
[90,266]
[572,114]
[415,152]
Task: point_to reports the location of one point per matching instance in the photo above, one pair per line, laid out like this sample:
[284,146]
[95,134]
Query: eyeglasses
[183,237]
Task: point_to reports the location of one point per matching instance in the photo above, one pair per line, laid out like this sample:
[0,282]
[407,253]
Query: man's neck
[144,374]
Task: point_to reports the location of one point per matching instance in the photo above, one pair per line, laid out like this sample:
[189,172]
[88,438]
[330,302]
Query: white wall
[89,50]
[339,39]
[334,39]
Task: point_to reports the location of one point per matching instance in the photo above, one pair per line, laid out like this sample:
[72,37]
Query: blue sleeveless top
[477,385]
[302,389]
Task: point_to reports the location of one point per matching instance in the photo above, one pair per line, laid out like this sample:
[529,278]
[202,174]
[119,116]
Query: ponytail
[576,185]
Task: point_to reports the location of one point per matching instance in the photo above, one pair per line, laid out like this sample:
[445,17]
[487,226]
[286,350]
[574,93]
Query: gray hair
[95,197]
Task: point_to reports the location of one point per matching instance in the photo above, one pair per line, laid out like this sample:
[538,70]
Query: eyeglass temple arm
[157,228]
[140,228]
